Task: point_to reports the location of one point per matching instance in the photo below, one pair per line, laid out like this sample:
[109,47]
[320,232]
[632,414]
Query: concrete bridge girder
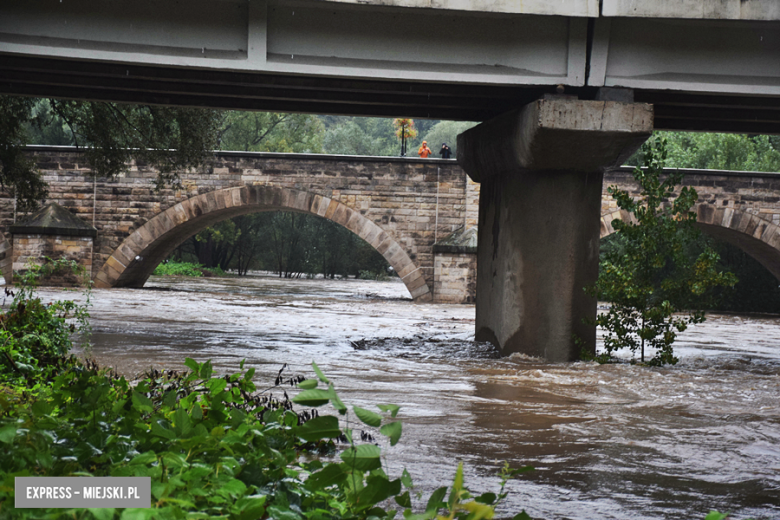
[136,258]
[705,64]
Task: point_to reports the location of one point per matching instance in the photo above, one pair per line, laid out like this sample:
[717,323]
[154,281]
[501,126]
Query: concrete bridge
[402,207]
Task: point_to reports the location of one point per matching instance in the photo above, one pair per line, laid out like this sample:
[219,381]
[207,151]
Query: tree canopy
[655,287]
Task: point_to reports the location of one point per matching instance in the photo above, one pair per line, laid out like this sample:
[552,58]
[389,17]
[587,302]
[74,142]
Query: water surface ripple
[612,441]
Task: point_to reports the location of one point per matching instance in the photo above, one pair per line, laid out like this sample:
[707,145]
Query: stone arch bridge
[416,213]
[401,206]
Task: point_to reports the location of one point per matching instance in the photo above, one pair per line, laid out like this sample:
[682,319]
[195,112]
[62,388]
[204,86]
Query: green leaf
[364,457]
[206,370]
[319,373]
[102,513]
[393,431]
[406,479]
[522,515]
[486,498]
[308,384]
[182,422]
[170,398]
[336,401]
[249,374]
[312,397]
[216,385]
[436,501]
[161,431]
[233,488]
[7,433]
[136,513]
[322,427]
[279,513]
[330,475]
[377,489]
[251,507]
[192,365]
[144,458]
[404,500]
[392,408]
[142,403]
[369,418]
[715,515]
[42,408]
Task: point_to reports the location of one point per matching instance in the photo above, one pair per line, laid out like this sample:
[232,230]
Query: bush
[213,447]
[35,338]
[178,269]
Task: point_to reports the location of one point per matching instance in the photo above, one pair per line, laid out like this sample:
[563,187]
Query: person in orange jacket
[424,151]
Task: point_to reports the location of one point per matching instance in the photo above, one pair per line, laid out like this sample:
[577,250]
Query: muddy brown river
[607,441]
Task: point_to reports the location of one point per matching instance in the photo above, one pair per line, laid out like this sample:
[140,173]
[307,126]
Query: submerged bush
[178,269]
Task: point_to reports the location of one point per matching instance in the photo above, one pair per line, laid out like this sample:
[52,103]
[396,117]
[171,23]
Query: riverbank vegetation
[213,445]
[655,284]
[186,269]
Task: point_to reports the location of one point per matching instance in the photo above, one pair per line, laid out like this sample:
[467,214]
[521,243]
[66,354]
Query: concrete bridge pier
[541,169]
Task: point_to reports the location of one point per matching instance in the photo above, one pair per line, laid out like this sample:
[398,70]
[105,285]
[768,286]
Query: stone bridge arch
[756,236]
[131,264]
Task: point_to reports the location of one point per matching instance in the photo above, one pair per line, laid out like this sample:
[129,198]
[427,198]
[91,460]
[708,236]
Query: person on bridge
[424,151]
[445,151]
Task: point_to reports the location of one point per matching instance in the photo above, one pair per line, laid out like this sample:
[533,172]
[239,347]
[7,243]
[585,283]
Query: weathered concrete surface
[541,169]
[703,9]
[596,133]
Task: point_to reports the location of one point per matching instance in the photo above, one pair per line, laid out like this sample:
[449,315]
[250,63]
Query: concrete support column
[540,169]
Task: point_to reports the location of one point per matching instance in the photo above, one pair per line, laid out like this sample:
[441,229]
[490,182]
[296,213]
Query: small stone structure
[53,232]
[455,267]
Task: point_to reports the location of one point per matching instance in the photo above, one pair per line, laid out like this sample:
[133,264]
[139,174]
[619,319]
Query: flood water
[607,441]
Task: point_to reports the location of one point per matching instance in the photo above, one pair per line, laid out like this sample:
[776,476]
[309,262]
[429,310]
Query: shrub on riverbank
[213,446]
[186,269]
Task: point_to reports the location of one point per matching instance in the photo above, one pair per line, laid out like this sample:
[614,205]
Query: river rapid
[607,441]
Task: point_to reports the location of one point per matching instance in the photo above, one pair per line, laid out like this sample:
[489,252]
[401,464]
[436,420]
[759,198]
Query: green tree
[719,151]
[17,170]
[360,136]
[169,139]
[272,132]
[655,288]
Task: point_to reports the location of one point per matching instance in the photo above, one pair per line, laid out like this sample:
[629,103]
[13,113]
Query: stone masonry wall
[398,194]
[756,194]
[455,278]
[34,248]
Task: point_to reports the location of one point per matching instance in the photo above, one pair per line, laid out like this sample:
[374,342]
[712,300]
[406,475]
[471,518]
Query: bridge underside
[160,85]
[465,60]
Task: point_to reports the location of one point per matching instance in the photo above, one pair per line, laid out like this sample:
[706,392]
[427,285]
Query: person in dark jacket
[445,151]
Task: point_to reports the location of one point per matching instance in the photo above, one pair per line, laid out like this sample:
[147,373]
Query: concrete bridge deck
[704,64]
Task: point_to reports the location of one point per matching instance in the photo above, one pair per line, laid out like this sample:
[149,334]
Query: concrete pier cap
[541,169]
